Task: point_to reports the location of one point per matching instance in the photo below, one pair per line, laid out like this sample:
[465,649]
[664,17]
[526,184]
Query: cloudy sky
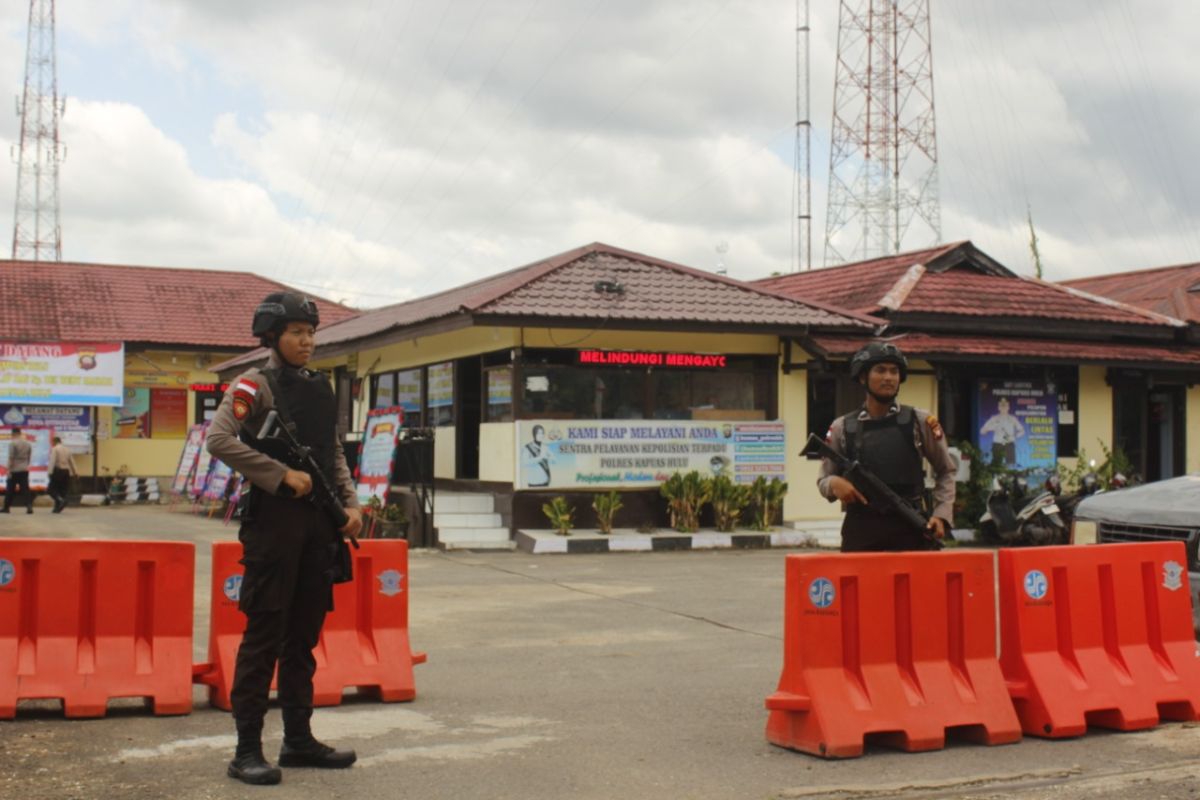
[399,147]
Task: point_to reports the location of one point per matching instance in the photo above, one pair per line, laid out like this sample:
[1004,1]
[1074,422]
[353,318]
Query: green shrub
[560,514]
[729,500]
[606,506]
[766,500]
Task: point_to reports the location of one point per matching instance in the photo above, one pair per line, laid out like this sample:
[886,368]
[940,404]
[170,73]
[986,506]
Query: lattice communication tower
[883,168]
[36,232]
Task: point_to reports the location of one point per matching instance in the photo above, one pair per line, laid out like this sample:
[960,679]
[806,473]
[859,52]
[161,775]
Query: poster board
[188,458]
[200,474]
[39,461]
[1016,423]
[595,454]
[377,453]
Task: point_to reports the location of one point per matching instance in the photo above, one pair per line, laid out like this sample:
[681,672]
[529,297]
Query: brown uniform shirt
[260,469]
[930,442]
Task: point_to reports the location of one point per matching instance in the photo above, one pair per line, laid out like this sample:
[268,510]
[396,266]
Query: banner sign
[377,453]
[218,481]
[62,373]
[72,423]
[1016,423]
[558,454]
[204,462]
[39,461]
[187,460]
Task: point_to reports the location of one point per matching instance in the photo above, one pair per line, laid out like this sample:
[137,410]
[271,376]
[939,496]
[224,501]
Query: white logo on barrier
[1036,584]
[1172,575]
[389,582]
[7,572]
[820,593]
[233,587]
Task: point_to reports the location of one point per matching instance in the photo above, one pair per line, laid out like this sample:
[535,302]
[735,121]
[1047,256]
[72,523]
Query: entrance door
[469,395]
[1149,427]
[1165,433]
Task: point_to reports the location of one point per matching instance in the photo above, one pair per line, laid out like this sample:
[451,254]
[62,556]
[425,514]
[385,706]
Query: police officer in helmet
[290,546]
[892,441]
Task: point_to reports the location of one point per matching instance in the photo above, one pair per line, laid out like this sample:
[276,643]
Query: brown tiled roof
[950,281]
[925,345]
[65,301]
[858,286]
[1174,291]
[563,287]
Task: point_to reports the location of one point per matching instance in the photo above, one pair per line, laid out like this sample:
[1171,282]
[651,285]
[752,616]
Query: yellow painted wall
[154,456]
[497,457]
[444,453]
[1095,415]
[802,500]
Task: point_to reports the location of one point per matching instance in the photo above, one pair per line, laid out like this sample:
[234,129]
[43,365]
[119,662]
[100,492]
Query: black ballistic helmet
[878,353]
[279,308]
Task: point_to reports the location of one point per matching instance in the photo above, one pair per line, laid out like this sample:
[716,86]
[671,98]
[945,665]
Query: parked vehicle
[1089,484]
[1014,518]
[1166,510]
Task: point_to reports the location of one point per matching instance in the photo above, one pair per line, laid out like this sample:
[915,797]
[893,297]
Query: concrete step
[463,503]
[497,534]
[456,520]
[466,545]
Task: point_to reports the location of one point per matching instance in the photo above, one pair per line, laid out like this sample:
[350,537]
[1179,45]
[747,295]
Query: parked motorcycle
[1089,484]
[1013,518]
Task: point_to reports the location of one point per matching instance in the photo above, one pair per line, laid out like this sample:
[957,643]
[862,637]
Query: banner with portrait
[1016,423]
[562,454]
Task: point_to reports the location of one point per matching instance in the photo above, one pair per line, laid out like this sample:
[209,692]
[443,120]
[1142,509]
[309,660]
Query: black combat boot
[248,764]
[301,749]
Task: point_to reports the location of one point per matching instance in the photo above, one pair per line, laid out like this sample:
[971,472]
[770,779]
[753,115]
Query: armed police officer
[291,548]
[892,441]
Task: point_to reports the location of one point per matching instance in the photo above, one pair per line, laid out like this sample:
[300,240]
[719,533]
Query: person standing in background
[19,454]
[62,469]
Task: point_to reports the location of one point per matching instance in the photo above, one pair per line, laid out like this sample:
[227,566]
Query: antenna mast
[883,168]
[36,232]
[802,164]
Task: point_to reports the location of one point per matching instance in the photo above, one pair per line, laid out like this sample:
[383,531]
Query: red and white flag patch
[244,392]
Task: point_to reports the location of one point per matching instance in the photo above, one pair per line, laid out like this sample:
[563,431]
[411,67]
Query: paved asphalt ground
[554,677]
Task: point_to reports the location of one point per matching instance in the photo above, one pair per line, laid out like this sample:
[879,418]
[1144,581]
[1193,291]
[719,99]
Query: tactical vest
[887,447]
[313,407]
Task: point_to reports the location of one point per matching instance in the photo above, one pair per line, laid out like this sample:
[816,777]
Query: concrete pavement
[583,676]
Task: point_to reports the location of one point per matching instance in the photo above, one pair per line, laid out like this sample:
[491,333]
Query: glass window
[408,395]
[385,390]
[440,405]
[499,394]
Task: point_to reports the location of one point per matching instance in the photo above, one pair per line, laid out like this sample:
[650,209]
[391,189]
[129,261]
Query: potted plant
[560,515]
[606,506]
[384,521]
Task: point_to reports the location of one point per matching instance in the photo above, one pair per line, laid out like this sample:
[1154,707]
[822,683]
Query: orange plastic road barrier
[1098,635]
[900,647]
[88,621]
[364,643]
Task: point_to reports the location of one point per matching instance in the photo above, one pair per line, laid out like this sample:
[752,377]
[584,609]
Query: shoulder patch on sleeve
[935,427]
[241,407]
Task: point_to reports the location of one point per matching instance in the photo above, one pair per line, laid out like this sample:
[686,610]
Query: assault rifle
[279,441]
[880,496]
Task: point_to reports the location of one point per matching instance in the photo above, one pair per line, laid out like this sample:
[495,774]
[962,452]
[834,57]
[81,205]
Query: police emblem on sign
[233,587]
[7,572]
[1036,584]
[1172,576]
[820,593]
[389,582]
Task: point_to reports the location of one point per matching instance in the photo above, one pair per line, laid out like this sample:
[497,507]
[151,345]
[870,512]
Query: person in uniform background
[289,545]
[1005,430]
[892,441]
[19,454]
[62,469]
[537,458]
